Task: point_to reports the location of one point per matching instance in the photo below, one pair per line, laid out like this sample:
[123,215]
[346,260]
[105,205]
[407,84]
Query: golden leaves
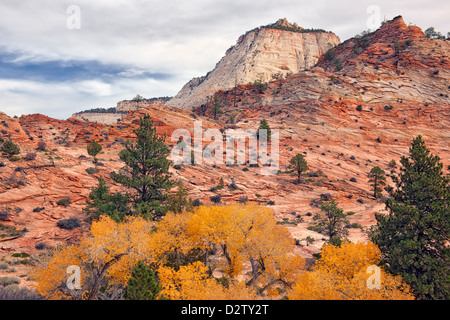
[253,254]
[342,274]
[192,282]
[111,250]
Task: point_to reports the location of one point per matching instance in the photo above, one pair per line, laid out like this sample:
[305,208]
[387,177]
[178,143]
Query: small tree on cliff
[146,170]
[377,179]
[216,108]
[297,165]
[264,125]
[331,221]
[93,149]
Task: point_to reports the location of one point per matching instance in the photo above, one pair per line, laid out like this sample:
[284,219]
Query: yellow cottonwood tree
[342,274]
[249,234]
[172,244]
[192,282]
[108,254]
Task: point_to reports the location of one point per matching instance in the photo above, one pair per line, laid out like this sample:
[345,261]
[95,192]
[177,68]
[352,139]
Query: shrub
[261,86]
[325,196]
[392,164]
[216,199]
[243,199]
[30,156]
[65,202]
[69,224]
[38,209]
[4,214]
[15,292]
[40,246]
[9,148]
[91,170]
[7,281]
[330,55]
[353,179]
[41,146]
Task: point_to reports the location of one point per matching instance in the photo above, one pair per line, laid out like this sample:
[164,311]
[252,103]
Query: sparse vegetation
[41,146]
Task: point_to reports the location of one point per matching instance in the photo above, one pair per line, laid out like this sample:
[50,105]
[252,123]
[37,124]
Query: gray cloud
[173,37]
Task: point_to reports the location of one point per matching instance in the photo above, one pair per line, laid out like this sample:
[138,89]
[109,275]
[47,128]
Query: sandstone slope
[260,54]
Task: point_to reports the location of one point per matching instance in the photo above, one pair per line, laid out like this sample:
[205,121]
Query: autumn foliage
[109,252]
[343,273]
[214,252]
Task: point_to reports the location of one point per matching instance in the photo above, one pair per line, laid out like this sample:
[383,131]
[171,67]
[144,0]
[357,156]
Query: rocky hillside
[360,106]
[263,54]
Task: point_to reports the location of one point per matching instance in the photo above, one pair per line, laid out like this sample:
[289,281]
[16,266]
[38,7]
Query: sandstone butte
[359,106]
[259,55]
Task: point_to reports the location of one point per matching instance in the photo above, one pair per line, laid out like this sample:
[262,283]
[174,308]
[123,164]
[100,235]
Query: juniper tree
[146,169]
[413,237]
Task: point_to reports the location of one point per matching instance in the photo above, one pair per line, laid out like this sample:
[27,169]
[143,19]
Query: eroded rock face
[106,118]
[261,54]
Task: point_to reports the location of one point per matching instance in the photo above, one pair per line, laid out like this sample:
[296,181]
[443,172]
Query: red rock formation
[393,88]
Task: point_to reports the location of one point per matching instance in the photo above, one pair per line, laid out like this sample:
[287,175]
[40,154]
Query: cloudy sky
[58,57]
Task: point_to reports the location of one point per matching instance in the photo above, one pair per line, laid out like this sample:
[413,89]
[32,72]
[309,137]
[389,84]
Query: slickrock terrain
[259,55]
[360,106]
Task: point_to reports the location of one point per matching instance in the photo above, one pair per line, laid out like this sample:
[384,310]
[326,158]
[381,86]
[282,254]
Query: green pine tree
[377,180]
[413,237]
[264,125]
[297,165]
[179,201]
[146,170]
[216,108]
[102,202]
[331,221]
[143,284]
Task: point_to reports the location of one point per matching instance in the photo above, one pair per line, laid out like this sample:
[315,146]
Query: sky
[58,57]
